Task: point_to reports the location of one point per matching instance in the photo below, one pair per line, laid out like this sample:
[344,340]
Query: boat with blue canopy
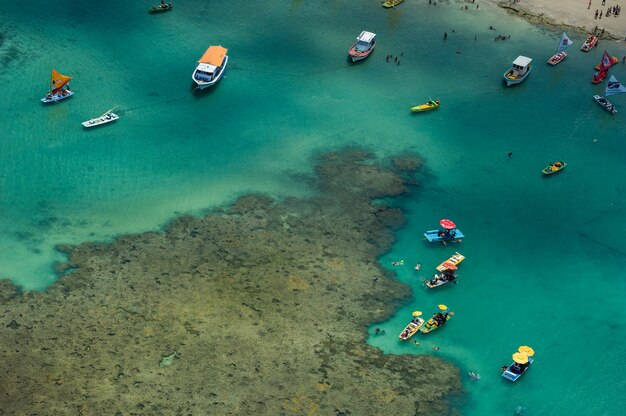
[448,233]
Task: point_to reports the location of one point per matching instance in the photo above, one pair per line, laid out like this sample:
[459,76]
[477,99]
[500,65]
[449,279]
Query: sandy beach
[577,14]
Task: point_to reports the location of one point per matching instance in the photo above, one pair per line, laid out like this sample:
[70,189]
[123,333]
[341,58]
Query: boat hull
[589,44]
[391,3]
[425,107]
[509,80]
[158,8]
[549,171]
[512,375]
[57,97]
[598,77]
[411,329]
[433,236]
[200,84]
[606,104]
[557,58]
[359,56]
[425,329]
[94,122]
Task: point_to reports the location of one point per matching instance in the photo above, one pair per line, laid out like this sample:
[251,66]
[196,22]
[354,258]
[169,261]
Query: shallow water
[542,253]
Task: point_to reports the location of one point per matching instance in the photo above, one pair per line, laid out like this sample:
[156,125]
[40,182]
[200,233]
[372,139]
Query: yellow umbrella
[443,307]
[417,313]
[520,358]
[525,349]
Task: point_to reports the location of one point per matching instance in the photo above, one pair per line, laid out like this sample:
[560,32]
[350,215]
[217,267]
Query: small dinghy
[105,118]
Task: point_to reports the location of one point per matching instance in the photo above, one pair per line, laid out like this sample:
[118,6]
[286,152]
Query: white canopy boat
[211,67]
[103,119]
[519,71]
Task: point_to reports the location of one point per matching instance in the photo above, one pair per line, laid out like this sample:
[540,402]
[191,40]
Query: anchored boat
[59,88]
[391,3]
[105,118]
[519,71]
[521,361]
[555,167]
[211,67]
[364,45]
[560,53]
[438,320]
[430,105]
[413,326]
[612,87]
[448,233]
[589,44]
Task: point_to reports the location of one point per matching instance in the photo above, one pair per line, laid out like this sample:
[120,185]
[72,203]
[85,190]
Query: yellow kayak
[391,3]
[430,105]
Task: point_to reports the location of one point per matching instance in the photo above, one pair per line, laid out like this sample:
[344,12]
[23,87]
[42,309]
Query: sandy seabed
[259,308]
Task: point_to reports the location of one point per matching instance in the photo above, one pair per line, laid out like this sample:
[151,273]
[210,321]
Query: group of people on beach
[611,11]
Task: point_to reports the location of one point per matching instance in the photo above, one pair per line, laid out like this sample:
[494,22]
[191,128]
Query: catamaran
[612,87]
[211,67]
[59,88]
[519,71]
[103,119]
[560,53]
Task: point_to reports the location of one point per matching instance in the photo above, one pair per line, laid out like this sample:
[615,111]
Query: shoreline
[261,307]
[564,15]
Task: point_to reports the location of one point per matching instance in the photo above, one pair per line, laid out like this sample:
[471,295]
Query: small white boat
[560,53]
[518,72]
[105,118]
[364,45]
[210,67]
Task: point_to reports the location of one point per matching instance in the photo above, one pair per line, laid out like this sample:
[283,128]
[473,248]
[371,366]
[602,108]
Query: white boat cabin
[520,66]
[364,41]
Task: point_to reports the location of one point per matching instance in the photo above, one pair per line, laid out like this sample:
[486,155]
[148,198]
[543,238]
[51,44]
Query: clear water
[544,255]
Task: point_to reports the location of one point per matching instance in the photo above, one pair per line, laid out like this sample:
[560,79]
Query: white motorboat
[105,118]
[211,67]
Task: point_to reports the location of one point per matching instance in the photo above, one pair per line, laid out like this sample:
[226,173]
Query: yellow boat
[454,260]
[430,105]
[392,3]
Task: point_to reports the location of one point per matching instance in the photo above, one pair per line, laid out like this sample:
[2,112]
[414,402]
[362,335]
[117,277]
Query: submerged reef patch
[261,308]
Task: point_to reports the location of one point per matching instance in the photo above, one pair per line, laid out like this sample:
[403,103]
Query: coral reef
[259,308]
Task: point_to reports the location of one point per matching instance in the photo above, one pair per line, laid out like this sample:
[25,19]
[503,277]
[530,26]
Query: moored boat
[605,103]
[59,88]
[613,86]
[430,105]
[105,118]
[440,279]
[607,61]
[589,44]
[211,67]
[521,361]
[439,319]
[599,76]
[555,167]
[452,262]
[162,7]
[392,3]
[364,45]
[413,326]
[560,53]
[448,233]
[519,71]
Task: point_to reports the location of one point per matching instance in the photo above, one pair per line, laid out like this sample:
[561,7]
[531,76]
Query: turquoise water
[544,255]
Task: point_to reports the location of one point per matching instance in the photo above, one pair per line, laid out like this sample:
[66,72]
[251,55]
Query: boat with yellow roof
[211,67]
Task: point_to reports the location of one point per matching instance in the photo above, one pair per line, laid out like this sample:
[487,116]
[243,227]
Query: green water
[544,255]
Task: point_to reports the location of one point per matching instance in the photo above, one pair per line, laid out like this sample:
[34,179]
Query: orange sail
[58,81]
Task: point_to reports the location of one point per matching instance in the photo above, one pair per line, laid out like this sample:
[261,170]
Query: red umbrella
[447,224]
[449,265]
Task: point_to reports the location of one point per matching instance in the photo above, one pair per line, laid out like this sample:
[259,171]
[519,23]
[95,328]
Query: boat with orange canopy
[211,67]
[59,88]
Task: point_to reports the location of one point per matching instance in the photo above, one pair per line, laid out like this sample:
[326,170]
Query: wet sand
[571,15]
[258,308]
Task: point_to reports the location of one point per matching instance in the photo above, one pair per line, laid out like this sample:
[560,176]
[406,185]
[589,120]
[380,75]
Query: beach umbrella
[443,307]
[417,313]
[449,265]
[525,349]
[520,358]
[447,224]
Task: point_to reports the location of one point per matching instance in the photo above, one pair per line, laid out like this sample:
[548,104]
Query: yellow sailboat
[59,88]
